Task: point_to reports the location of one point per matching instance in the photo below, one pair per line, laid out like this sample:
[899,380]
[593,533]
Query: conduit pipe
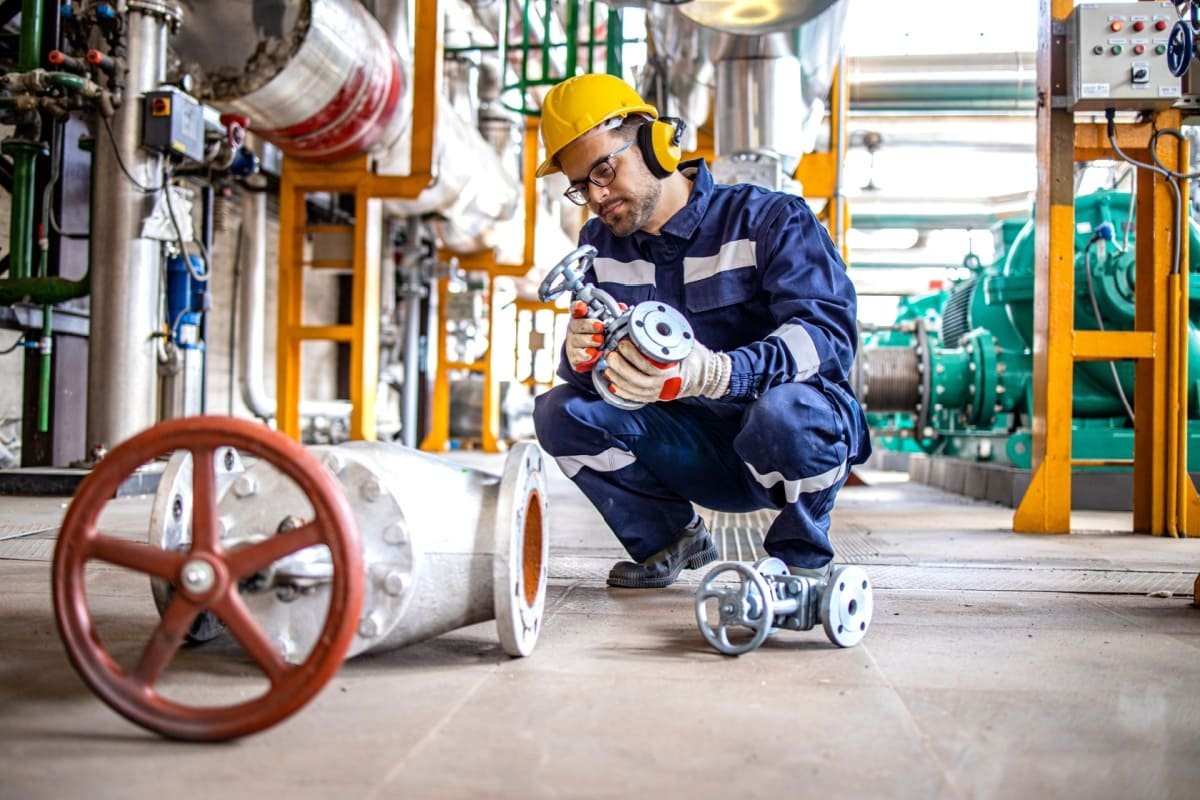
[252,291]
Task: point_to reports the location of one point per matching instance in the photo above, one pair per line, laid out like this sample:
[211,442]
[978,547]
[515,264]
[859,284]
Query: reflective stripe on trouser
[642,469]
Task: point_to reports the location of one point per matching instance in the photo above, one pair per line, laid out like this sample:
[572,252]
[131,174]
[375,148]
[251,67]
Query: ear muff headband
[659,143]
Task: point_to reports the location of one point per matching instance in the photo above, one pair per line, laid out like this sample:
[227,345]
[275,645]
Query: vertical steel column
[1046,506]
[125,268]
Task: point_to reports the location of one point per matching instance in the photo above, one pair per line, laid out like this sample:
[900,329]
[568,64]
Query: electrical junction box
[1117,56]
[173,123]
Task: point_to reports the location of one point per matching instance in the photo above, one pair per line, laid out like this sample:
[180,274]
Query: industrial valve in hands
[660,332]
[766,598]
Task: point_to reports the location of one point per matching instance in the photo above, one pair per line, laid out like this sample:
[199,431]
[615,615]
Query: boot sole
[706,556]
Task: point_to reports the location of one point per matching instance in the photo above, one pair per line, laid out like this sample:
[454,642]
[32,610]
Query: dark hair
[630,124]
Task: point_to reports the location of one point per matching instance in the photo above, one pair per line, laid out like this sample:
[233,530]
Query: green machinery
[954,375]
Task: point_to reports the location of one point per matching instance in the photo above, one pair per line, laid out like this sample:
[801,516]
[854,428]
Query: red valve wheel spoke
[206,579]
[165,641]
[253,558]
[241,624]
[205,536]
[137,556]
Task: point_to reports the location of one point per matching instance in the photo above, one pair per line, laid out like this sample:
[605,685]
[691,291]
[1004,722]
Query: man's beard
[637,212]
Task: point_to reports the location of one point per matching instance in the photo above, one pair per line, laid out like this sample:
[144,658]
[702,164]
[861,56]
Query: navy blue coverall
[758,277]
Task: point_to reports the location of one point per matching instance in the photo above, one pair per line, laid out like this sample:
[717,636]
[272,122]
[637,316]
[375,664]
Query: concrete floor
[997,666]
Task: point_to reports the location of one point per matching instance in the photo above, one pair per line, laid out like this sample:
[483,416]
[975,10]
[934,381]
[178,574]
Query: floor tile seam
[598,582]
[1116,612]
[552,610]
[923,738]
[1018,590]
[379,788]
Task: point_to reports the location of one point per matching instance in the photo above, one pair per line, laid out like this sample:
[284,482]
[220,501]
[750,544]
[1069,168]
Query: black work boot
[692,550]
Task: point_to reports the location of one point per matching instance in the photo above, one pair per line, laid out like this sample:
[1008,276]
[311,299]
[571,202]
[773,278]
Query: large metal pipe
[322,80]
[759,91]
[944,83]
[125,267]
[319,79]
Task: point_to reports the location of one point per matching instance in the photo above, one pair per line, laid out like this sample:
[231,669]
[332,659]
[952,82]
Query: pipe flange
[168,12]
[522,556]
[982,351]
[660,332]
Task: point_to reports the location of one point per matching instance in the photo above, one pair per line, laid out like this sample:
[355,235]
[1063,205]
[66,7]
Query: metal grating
[739,537]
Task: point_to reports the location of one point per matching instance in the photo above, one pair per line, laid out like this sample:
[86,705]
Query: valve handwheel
[747,604]
[205,578]
[1180,48]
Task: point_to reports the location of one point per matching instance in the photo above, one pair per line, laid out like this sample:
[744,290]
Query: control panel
[173,123]
[1117,56]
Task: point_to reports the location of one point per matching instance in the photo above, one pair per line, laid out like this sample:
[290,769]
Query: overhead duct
[754,17]
[322,80]
[770,98]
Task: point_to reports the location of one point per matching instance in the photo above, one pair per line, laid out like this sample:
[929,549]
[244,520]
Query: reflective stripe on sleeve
[800,344]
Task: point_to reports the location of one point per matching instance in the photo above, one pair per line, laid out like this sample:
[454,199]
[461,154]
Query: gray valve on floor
[660,332]
[765,598]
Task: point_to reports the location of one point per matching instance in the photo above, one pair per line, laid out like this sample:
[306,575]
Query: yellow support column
[365,302]
[438,436]
[290,295]
[1046,506]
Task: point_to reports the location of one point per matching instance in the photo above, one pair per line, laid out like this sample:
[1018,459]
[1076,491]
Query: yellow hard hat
[575,106]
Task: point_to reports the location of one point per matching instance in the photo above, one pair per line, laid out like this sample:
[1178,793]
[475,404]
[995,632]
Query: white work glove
[584,337]
[632,376]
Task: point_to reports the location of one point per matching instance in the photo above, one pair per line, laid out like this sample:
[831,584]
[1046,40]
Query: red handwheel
[205,578]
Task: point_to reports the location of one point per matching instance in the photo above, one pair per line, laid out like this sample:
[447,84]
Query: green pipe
[24,155]
[46,346]
[42,291]
[67,80]
[572,36]
[612,61]
[30,54]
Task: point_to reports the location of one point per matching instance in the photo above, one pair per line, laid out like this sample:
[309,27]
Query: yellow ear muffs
[659,143]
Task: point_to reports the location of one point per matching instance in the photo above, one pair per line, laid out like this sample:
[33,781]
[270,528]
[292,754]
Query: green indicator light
[1160,49]
[1117,50]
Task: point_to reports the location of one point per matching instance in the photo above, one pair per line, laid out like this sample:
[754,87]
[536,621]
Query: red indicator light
[1116,25]
[1161,25]
[1139,26]
[1139,49]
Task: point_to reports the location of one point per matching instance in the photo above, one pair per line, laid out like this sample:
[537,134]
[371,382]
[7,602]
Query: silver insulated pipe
[323,80]
[125,265]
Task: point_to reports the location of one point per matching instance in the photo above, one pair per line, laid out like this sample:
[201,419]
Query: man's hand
[634,377]
[584,337]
